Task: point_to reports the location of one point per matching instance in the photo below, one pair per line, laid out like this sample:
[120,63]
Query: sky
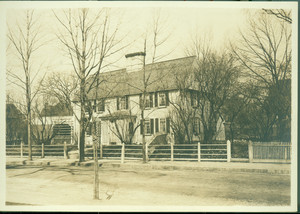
[181,24]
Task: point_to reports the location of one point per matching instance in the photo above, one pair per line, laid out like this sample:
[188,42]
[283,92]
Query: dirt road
[74,186]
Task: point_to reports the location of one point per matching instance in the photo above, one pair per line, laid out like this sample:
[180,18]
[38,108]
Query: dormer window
[101,105]
[149,100]
[157,99]
[122,103]
[163,99]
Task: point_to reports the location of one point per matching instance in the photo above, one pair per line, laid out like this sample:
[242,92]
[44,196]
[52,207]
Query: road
[49,185]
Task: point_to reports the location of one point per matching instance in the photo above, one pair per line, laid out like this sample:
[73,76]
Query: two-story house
[117,101]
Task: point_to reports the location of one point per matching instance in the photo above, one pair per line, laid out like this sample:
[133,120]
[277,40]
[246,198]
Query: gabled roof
[12,112]
[56,110]
[160,76]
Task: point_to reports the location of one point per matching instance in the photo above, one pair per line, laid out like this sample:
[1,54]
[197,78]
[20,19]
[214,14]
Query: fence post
[147,158]
[43,150]
[21,149]
[123,153]
[172,151]
[250,151]
[65,150]
[285,153]
[228,151]
[199,152]
[101,151]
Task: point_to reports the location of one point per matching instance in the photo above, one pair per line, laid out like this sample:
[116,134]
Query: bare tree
[215,76]
[25,41]
[60,87]
[89,39]
[156,38]
[124,127]
[234,111]
[264,50]
[42,129]
[280,14]
[183,113]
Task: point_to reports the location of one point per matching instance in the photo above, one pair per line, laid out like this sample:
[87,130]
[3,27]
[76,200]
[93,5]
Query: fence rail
[268,152]
[257,151]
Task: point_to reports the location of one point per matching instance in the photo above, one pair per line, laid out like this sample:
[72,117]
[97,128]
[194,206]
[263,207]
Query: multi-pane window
[162,99]
[122,103]
[149,101]
[162,124]
[101,105]
[147,127]
[157,99]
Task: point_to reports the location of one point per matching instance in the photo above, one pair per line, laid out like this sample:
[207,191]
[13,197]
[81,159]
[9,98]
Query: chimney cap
[135,54]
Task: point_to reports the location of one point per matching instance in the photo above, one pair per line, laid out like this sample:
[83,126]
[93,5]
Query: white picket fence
[270,152]
[257,152]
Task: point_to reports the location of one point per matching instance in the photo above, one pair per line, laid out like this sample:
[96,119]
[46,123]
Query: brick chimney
[135,61]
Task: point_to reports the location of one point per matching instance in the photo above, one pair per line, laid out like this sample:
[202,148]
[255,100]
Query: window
[162,125]
[147,127]
[122,103]
[149,101]
[163,99]
[101,105]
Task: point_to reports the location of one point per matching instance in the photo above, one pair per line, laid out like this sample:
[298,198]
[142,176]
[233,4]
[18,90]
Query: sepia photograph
[149,106]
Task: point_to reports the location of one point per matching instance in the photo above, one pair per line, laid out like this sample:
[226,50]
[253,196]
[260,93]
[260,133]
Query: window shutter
[168,124]
[152,126]
[151,100]
[156,125]
[141,127]
[126,102]
[167,98]
[130,128]
[194,124]
[155,99]
[192,99]
[141,100]
[103,104]
[117,103]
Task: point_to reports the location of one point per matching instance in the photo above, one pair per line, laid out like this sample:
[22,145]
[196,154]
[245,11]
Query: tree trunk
[82,119]
[28,101]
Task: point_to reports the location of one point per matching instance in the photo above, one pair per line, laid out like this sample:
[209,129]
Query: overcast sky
[220,24]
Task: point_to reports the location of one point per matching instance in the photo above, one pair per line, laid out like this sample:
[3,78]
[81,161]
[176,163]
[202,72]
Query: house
[15,124]
[54,124]
[117,101]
